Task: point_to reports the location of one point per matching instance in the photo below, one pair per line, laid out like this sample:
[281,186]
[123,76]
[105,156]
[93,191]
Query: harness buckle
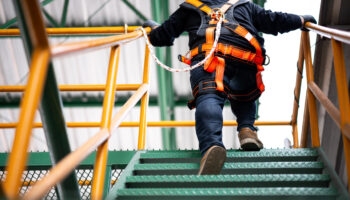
[267,60]
[216,14]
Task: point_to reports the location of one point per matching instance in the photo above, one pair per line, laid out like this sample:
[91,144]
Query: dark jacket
[251,16]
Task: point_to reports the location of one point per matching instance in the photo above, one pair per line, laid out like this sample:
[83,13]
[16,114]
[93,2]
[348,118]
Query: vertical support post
[166,101]
[34,37]
[315,137]
[108,104]
[343,98]
[305,128]
[300,67]
[144,103]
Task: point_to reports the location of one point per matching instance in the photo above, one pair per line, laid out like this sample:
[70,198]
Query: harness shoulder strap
[200,5]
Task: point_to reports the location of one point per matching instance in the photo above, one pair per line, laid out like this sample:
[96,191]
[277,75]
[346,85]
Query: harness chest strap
[218,63]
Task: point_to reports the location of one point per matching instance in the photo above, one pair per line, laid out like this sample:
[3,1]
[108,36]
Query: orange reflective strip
[219,75]
[198,4]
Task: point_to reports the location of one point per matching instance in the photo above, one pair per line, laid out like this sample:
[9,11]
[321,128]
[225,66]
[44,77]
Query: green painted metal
[50,18]
[54,125]
[107,181]
[64,13]
[337,183]
[118,159]
[243,165]
[128,171]
[265,155]
[233,181]
[136,11]
[160,11]
[14,20]
[222,193]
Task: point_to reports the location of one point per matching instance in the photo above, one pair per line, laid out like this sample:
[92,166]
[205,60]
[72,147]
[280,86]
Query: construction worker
[232,73]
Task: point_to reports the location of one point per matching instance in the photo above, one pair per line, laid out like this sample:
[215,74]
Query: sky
[279,76]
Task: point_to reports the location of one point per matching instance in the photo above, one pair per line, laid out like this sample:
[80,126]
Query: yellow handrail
[152,124]
[72,160]
[341,116]
[72,88]
[108,104]
[76,31]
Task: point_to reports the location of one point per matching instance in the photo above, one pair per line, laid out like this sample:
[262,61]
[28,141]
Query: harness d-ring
[267,58]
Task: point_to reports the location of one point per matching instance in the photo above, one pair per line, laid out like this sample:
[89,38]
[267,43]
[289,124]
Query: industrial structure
[84,94]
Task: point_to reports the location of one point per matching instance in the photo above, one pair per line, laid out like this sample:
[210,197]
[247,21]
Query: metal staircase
[267,174]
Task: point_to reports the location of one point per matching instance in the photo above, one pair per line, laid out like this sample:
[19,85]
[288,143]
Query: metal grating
[29,178]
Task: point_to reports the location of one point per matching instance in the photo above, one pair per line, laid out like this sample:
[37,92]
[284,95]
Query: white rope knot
[186,69]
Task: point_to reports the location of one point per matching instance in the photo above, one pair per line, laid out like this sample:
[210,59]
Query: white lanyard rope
[186,69]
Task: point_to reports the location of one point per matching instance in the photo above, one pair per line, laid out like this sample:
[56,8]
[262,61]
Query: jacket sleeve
[165,34]
[270,22]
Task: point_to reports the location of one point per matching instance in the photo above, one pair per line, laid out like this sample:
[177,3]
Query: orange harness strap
[216,63]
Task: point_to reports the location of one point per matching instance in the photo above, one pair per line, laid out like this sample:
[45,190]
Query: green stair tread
[234,153]
[243,165]
[280,191]
[228,178]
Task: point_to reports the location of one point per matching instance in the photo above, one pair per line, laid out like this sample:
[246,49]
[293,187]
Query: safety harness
[210,17]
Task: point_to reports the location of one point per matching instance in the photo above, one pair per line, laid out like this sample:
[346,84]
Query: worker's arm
[165,34]
[270,22]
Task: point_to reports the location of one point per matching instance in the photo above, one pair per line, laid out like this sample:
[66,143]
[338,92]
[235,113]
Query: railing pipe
[71,161]
[144,104]
[73,88]
[95,44]
[76,31]
[300,68]
[311,99]
[18,157]
[326,103]
[152,124]
[342,36]
[108,104]
[343,98]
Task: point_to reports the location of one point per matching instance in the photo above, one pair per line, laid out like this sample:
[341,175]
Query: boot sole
[214,162]
[250,144]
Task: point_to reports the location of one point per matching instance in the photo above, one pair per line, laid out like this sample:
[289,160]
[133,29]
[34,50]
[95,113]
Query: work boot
[212,161]
[249,140]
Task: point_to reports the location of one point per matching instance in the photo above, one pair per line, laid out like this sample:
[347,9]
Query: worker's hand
[150,23]
[307,18]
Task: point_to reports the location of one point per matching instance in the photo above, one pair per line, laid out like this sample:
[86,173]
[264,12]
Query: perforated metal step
[266,174]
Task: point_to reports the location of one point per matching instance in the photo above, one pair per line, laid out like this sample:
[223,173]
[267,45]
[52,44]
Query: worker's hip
[239,80]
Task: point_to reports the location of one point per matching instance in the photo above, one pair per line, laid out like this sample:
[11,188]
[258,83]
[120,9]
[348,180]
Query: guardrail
[341,116]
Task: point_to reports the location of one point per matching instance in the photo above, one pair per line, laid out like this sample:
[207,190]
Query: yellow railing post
[38,70]
[144,104]
[300,68]
[108,104]
[315,138]
[343,98]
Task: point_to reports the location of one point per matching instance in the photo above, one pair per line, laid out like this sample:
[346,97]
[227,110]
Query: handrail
[72,88]
[341,116]
[339,35]
[76,30]
[66,165]
[153,124]
[95,44]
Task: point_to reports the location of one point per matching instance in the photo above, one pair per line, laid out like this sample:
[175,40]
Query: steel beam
[136,11]
[14,20]
[64,13]
[54,125]
[166,101]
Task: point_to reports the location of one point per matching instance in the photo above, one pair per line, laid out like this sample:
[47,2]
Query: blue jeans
[208,116]
[209,120]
